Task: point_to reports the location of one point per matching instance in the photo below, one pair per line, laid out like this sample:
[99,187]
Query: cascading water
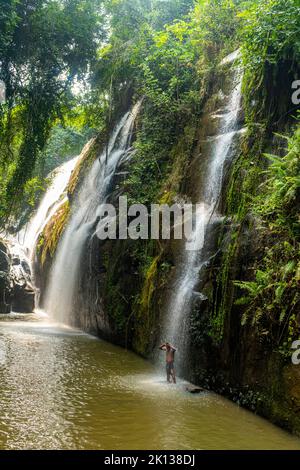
[195,255]
[48,205]
[94,192]
[21,246]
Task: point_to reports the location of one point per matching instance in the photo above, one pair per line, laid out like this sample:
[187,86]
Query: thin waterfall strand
[194,254]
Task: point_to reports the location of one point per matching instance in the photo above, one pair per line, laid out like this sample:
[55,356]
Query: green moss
[163,148]
[88,155]
[149,287]
[180,156]
[224,289]
[155,269]
[144,312]
[167,197]
[246,173]
[52,232]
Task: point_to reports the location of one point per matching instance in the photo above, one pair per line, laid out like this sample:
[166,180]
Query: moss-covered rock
[52,232]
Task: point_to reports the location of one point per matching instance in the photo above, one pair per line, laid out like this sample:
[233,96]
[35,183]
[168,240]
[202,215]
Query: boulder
[22,299]
[5,308]
[194,389]
[16,291]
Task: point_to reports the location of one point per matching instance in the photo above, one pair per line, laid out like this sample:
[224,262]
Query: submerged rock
[194,389]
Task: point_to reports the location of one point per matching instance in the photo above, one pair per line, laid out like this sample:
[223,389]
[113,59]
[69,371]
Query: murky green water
[61,389]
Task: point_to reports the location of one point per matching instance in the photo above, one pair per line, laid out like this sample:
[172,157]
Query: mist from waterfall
[195,256]
[82,225]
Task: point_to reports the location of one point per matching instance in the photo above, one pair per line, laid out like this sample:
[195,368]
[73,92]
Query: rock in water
[22,299]
[194,389]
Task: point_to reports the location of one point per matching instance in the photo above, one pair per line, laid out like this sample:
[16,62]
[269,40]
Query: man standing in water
[170,355]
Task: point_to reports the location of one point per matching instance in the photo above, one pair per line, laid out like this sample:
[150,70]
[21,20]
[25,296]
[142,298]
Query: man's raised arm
[162,347]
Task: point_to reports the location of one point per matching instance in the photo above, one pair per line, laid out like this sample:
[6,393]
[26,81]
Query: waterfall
[48,205]
[94,192]
[195,256]
[21,246]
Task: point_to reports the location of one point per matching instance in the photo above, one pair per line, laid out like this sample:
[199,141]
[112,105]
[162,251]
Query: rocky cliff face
[5,306]
[234,358]
[241,347]
[16,291]
[125,285]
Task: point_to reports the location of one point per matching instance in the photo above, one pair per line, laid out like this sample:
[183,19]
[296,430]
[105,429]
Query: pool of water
[63,389]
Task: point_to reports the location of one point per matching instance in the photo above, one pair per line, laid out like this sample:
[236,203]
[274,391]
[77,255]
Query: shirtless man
[170,353]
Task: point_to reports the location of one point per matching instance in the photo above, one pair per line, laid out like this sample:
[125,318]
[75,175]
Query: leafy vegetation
[271,53]
[45,46]
[273,296]
[52,232]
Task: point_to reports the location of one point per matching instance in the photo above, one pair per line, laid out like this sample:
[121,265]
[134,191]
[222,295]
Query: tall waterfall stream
[195,255]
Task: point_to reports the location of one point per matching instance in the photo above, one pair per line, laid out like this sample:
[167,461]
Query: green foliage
[149,286]
[271,51]
[63,143]
[163,62]
[281,207]
[144,53]
[224,289]
[152,48]
[45,45]
[32,189]
[273,296]
[52,232]
[215,25]
[270,32]
[158,50]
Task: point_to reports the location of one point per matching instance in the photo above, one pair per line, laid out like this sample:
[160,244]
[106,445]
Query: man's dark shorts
[170,367]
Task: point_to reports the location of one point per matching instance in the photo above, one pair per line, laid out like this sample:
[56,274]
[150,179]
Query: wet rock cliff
[125,285]
[16,290]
